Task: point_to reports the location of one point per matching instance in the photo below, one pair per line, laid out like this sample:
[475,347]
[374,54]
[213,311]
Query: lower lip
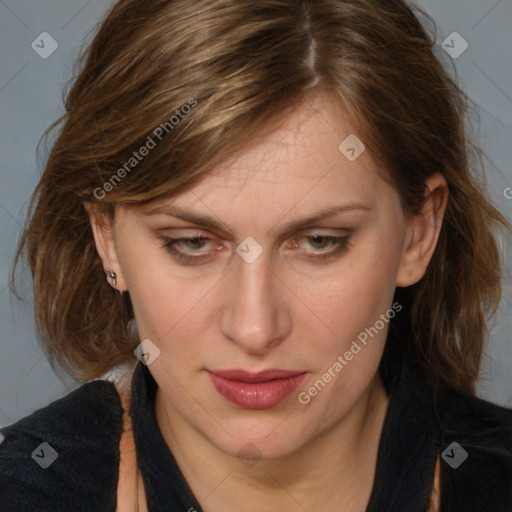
[261,395]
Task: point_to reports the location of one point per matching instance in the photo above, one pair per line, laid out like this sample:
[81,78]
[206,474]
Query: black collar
[405,464]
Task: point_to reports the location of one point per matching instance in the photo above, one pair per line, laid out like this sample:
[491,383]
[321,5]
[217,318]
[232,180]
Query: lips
[261,390]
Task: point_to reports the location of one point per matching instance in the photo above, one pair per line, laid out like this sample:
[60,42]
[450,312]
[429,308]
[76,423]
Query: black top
[84,428]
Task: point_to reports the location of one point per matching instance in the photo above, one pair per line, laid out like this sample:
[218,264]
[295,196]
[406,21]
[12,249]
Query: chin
[271,439]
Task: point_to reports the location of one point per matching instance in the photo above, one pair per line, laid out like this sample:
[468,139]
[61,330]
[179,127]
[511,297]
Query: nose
[255,315]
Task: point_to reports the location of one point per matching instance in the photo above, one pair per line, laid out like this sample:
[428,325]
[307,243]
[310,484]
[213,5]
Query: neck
[337,467]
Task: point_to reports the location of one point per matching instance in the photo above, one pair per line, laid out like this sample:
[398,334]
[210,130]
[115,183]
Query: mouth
[261,390]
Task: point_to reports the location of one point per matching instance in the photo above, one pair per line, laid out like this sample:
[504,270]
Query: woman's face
[294,254]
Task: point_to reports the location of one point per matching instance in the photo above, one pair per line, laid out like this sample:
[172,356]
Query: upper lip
[261,376]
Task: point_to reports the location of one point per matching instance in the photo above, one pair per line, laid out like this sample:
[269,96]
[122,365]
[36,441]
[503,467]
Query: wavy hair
[244,64]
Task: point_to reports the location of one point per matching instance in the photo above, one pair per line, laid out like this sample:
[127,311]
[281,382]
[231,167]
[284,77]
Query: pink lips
[260,390]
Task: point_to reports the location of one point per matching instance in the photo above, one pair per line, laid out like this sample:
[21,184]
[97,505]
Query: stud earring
[112,275]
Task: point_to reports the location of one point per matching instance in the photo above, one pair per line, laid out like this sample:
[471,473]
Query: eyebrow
[209,222]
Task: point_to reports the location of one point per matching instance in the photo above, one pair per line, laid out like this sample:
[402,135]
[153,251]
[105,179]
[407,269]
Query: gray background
[31,98]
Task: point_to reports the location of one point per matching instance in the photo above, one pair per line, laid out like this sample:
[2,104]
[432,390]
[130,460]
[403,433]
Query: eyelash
[341,243]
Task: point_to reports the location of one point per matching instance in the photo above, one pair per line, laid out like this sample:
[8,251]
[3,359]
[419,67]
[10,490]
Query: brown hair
[238,65]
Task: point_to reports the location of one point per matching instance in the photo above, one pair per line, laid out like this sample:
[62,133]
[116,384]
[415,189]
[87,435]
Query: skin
[287,309]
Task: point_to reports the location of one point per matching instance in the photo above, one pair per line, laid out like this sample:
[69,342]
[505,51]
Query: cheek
[351,305]
[164,302]
[344,359]
[357,293]
[166,307]
[169,313]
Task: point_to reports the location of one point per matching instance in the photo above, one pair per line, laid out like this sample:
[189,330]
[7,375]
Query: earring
[110,273]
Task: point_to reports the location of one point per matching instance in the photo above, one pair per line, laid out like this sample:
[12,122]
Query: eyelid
[168,240]
[306,232]
[181,256]
[340,244]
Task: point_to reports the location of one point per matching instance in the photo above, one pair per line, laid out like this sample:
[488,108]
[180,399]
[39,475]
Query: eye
[336,244]
[191,245]
[190,250]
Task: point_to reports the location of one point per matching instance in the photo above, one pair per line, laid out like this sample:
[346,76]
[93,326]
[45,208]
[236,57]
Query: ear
[103,229]
[422,232]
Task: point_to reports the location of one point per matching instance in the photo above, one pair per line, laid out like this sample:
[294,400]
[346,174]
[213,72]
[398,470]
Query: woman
[265,213]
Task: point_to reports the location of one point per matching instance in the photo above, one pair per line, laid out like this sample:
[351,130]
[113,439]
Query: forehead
[306,154]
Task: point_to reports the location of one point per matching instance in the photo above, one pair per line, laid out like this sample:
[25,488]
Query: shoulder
[468,416]
[64,456]
[476,448]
